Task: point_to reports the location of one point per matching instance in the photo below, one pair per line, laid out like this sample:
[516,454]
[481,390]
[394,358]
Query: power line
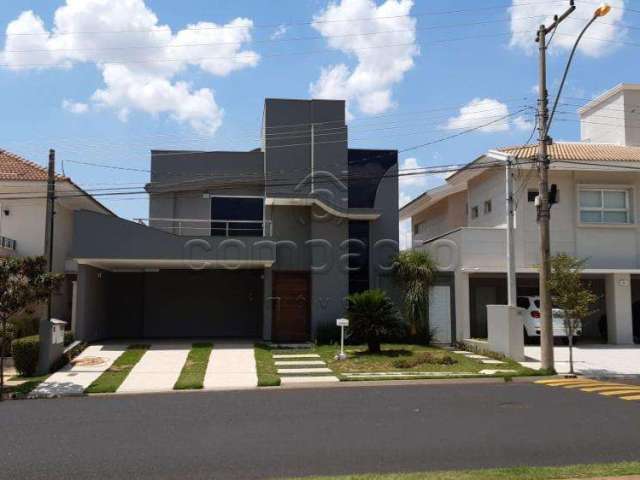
[229,185]
[276,40]
[290,24]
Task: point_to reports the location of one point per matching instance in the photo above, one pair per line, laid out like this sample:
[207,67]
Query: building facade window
[604,206]
[474,212]
[237,216]
[487,207]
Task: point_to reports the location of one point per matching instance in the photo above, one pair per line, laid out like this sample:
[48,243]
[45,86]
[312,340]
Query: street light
[544,212]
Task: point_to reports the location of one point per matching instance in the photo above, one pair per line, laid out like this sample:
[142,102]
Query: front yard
[395,362]
[414,360]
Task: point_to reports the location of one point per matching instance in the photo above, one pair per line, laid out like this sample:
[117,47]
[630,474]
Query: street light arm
[566,71]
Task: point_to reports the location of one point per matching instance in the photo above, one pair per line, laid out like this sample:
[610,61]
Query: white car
[532,320]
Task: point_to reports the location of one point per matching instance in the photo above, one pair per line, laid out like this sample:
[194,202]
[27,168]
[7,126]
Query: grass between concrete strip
[194,369]
[518,473]
[267,370]
[112,378]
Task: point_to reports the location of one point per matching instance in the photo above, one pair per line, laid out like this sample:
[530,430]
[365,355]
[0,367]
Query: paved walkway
[74,378]
[591,360]
[296,368]
[232,365]
[158,369]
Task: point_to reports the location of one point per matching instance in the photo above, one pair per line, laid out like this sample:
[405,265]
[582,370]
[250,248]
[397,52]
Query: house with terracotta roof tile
[23,187]
[596,217]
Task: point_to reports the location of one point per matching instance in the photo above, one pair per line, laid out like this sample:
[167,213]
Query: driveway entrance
[592,360]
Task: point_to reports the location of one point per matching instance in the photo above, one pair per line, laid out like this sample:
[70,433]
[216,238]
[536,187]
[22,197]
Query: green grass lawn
[520,473]
[267,371]
[25,388]
[192,374]
[111,379]
[359,360]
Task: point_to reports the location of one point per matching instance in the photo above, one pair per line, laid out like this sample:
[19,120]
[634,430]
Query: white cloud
[279,32]
[409,176]
[527,16]
[522,123]
[368,85]
[138,69]
[485,114]
[75,107]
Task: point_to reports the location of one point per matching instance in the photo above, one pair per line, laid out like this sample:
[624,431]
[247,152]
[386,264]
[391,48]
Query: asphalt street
[279,433]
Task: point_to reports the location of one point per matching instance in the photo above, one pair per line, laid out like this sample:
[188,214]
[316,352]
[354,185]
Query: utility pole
[49,222]
[511,253]
[544,211]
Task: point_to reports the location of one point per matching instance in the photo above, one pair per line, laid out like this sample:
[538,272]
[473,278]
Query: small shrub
[26,351]
[68,338]
[425,358]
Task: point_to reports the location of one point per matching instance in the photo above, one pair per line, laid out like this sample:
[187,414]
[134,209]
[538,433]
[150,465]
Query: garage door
[190,303]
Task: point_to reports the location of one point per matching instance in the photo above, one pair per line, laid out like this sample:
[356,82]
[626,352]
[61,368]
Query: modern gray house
[260,244]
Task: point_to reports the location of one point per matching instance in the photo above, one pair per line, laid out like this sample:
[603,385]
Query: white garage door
[440,313]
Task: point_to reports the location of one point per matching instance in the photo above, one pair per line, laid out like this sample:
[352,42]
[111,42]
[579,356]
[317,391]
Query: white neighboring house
[22,219]
[597,217]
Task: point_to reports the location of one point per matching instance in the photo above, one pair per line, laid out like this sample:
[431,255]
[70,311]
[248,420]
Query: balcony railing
[7,245]
[191,227]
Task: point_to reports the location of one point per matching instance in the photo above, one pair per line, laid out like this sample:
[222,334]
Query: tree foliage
[414,271]
[373,318]
[570,293]
[23,282]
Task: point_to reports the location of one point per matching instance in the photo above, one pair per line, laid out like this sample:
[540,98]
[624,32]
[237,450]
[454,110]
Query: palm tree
[414,271]
[373,318]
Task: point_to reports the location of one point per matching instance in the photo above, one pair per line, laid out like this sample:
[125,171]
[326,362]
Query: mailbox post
[342,322]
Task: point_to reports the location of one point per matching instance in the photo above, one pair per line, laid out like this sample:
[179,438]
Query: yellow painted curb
[622,391]
[583,384]
[632,397]
[556,380]
[605,387]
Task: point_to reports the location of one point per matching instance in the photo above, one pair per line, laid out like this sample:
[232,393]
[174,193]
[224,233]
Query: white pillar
[619,312]
[463,326]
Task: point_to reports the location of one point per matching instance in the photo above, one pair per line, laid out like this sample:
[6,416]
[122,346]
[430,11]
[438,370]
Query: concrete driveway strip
[232,365]
[74,378]
[158,369]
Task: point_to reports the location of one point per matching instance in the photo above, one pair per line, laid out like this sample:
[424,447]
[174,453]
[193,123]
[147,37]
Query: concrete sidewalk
[232,365]
[75,377]
[605,361]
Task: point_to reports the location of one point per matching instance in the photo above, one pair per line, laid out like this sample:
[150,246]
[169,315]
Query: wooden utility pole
[544,210]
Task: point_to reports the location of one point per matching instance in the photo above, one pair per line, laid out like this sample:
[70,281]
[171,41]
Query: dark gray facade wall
[106,237]
[190,168]
[385,231]
[290,139]
[291,233]
[92,303]
[329,270]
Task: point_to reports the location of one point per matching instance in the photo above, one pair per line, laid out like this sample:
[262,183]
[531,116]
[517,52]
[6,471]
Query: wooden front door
[291,306]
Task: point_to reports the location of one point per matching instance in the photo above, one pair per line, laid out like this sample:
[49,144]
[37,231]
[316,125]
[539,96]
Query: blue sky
[82,88]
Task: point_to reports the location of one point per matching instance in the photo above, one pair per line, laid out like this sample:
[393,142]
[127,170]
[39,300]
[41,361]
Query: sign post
[342,322]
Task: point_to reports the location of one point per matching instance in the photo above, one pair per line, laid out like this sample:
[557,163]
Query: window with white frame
[604,205]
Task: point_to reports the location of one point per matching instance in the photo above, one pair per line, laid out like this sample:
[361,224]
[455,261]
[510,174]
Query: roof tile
[14,167]
[587,152]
